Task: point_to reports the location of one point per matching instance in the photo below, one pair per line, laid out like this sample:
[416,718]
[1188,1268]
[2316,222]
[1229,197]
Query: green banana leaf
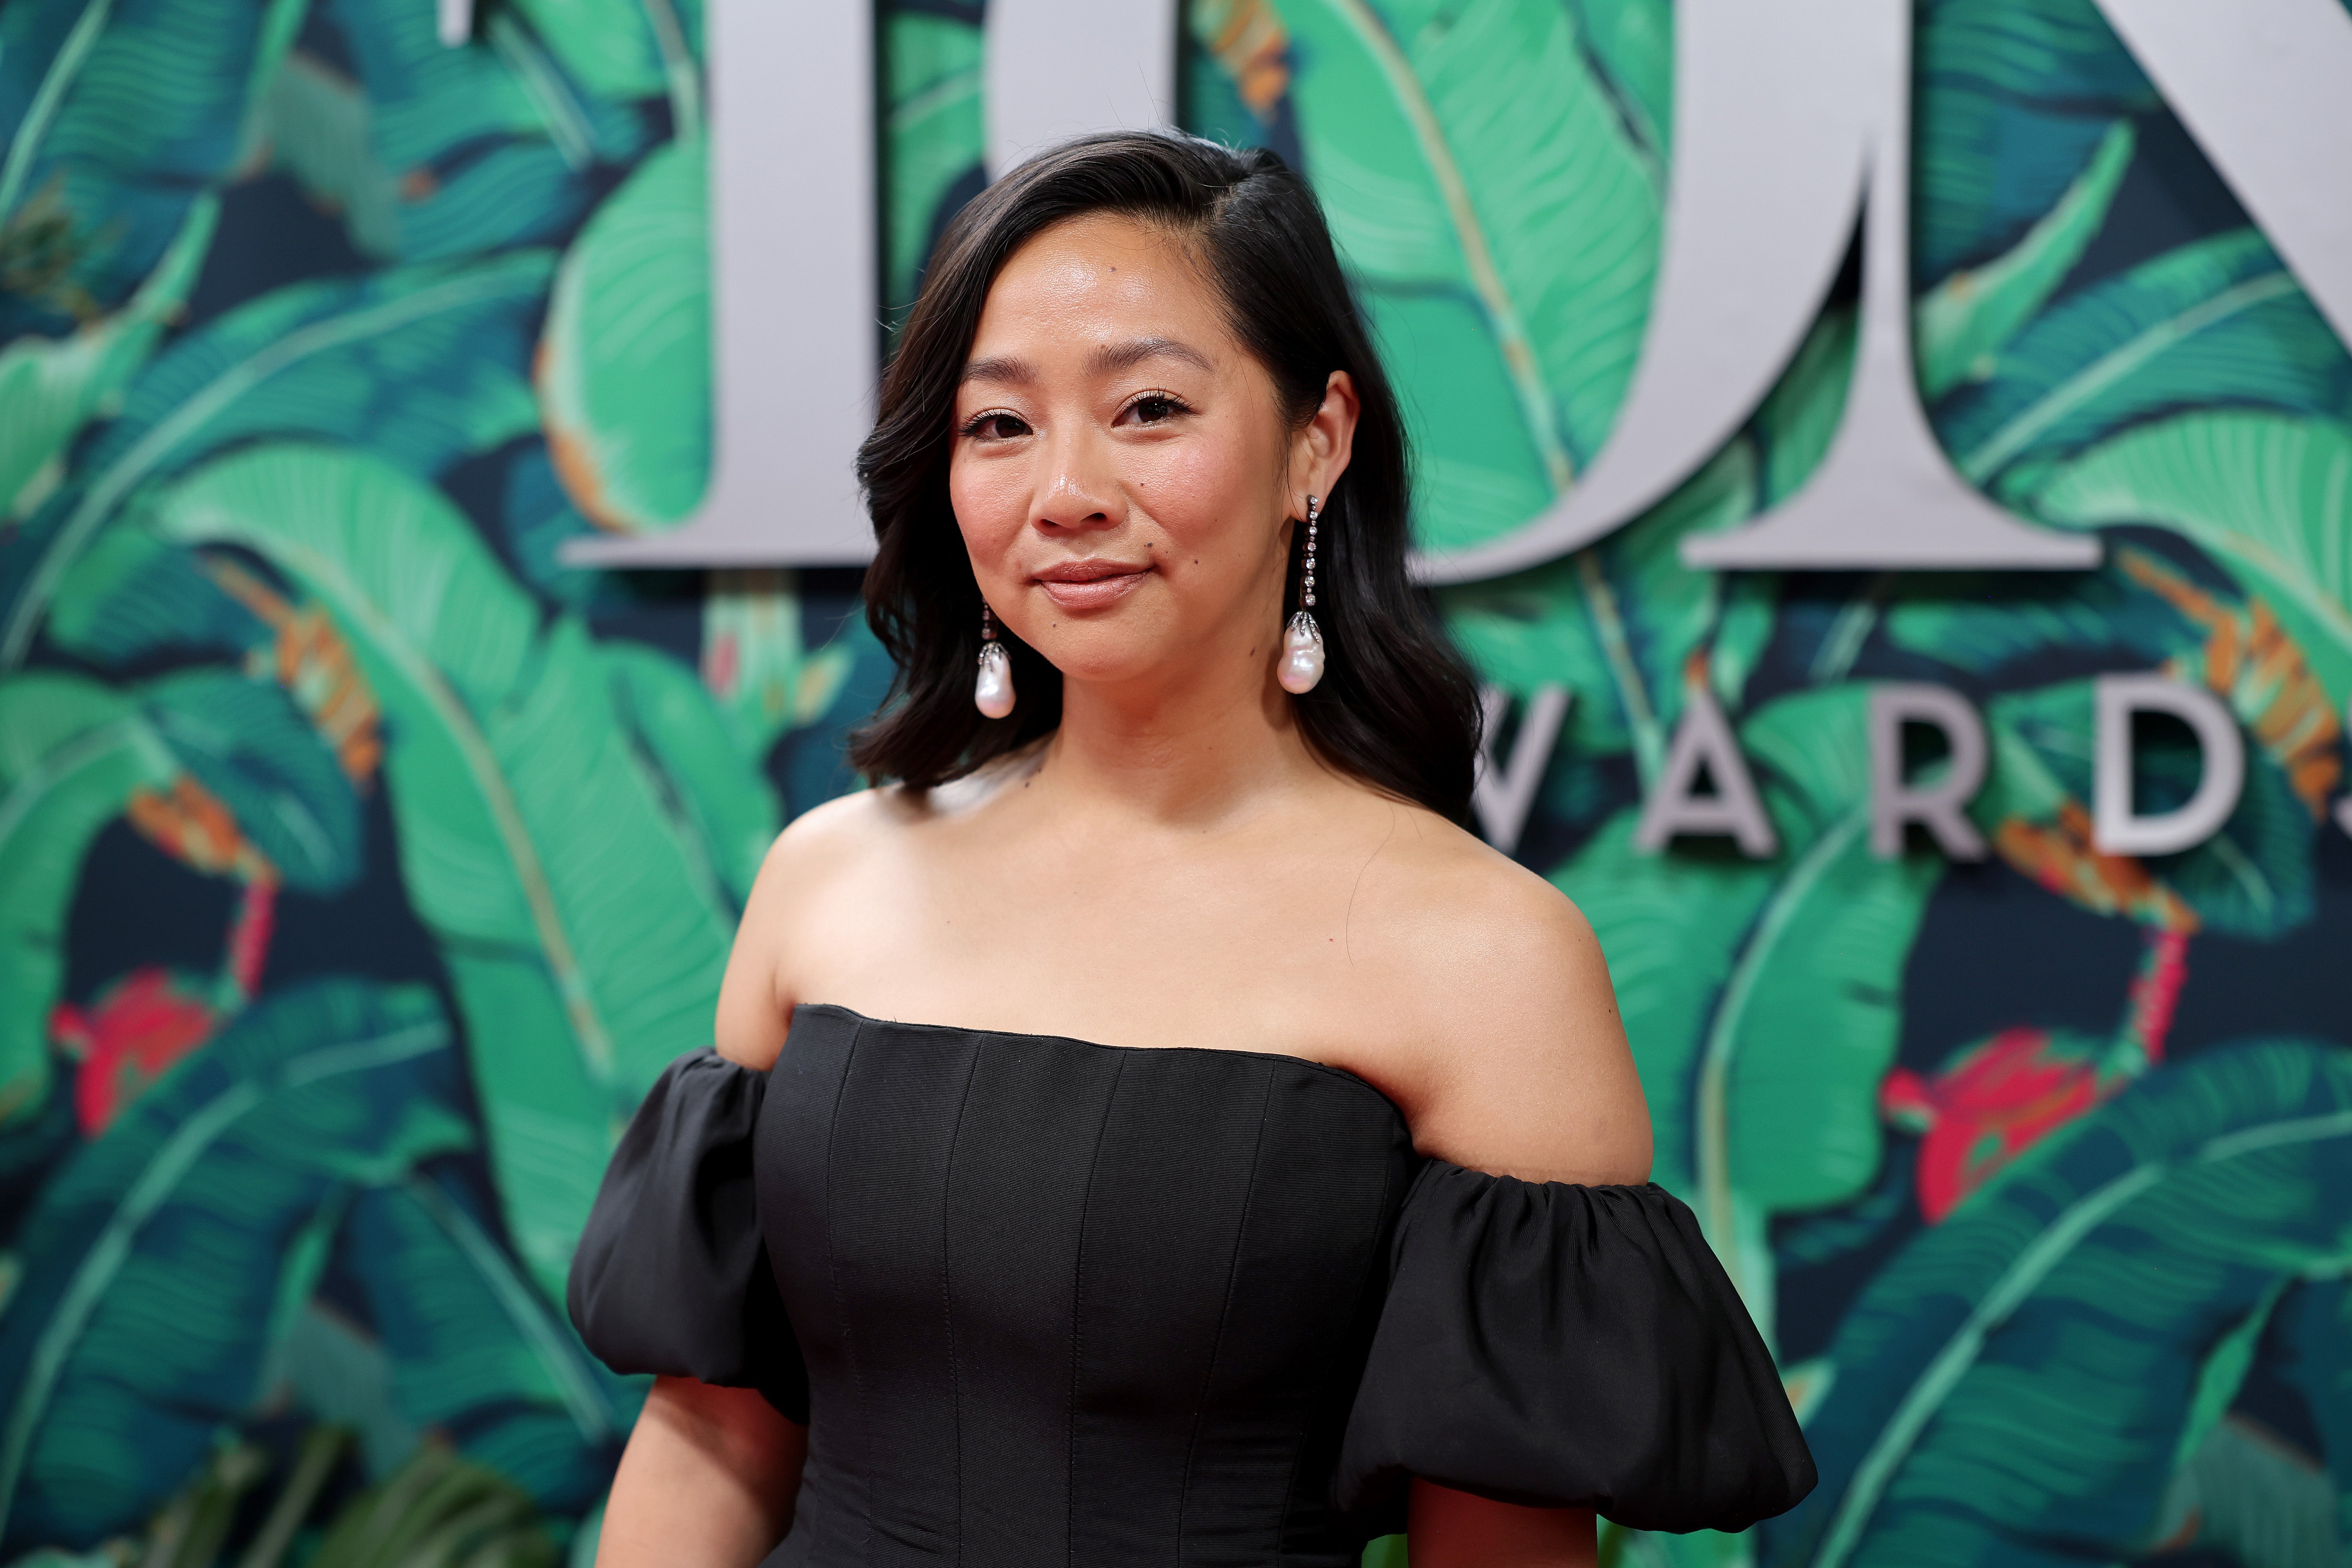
[1812,1013]
[840,682]
[71,751]
[1796,423]
[476,1353]
[1761,997]
[1503,229]
[624,49]
[1672,928]
[2315,1322]
[933,132]
[526,193]
[2015,1387]
[2270,494]
[1617,622]
[510,781]
[1630,46]
[1983,632]
[432,111]
[2252,1500]
[2219,321]
[154,1260]
[132,596]
[246,742]
[317,125]
[327,1365]
[2013,96]
[134,114]
[624,362]
[419,366]
[337,143]
[50,388]
[534,519]
[722,811]
[1962,322]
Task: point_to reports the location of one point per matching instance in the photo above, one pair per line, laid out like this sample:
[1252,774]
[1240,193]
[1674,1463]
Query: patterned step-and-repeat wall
[361,863]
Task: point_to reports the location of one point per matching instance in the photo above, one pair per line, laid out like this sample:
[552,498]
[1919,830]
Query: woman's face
[1122,474]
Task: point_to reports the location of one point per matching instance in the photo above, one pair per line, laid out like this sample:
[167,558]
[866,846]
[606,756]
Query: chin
[1099,651]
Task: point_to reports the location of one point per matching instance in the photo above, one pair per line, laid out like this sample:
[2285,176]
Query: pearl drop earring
[992,692]
[1302,640]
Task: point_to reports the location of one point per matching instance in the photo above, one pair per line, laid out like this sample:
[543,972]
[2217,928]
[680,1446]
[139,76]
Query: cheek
[991,504]
[1208,494]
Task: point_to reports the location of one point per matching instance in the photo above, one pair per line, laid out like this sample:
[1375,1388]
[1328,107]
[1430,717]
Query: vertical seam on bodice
[947,1298]
[1372,1256]
[833,1276]
[1078,1322]
[1224,1315]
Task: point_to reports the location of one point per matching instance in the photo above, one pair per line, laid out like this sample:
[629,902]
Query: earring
[992,692]
[1302,640]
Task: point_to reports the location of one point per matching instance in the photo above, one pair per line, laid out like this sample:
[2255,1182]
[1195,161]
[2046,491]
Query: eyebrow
[1109,360]
[1003,369]
[1112,358]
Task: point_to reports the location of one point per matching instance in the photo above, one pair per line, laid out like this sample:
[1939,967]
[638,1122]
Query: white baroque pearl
[992,692]
[1302,655]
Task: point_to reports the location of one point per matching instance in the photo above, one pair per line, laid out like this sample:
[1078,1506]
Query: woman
[1154,1130]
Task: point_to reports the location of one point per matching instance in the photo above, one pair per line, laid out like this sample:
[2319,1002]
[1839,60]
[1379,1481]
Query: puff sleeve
[672,1274]
[1567,1346]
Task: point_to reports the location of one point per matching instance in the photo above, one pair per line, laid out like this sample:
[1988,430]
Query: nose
[1079,490]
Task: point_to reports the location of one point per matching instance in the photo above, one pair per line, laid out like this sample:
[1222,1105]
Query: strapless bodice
[1046,1301]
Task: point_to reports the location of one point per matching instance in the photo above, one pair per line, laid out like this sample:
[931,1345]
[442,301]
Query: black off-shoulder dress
[1046,1302]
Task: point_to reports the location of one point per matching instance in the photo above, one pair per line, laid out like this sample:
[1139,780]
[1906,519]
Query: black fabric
[1570,1346]
[672,1275]
[1065,1303]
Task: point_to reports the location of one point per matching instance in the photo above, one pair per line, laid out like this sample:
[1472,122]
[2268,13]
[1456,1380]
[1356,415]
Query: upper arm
[1531,1076]
[811,856]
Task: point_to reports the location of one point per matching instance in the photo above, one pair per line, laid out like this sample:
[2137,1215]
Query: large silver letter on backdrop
[795,333]
[1790,116]
[1063,67]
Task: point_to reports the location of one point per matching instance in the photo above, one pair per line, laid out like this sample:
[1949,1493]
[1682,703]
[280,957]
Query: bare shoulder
[1459,908]
[818,857]
[1515,1061]
[825,894]
[829,839]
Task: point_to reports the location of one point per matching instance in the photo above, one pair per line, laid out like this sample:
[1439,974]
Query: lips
[1091,584]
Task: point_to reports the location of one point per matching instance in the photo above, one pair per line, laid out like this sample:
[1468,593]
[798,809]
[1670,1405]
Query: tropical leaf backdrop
[359,863]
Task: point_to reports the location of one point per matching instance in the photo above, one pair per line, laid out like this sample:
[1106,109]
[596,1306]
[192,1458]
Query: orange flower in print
[193,827]
[1249,41]
[313,662]
[2249,660]
[2059,855]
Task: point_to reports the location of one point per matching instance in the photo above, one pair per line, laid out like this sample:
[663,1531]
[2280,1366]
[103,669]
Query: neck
[1207,750]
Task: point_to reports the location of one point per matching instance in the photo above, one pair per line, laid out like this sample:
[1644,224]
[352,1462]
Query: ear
[1319,451]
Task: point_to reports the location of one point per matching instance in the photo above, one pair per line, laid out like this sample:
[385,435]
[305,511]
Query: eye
[1154,408]
[995,425]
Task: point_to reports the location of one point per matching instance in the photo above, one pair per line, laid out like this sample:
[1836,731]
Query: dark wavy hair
[1396,709]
